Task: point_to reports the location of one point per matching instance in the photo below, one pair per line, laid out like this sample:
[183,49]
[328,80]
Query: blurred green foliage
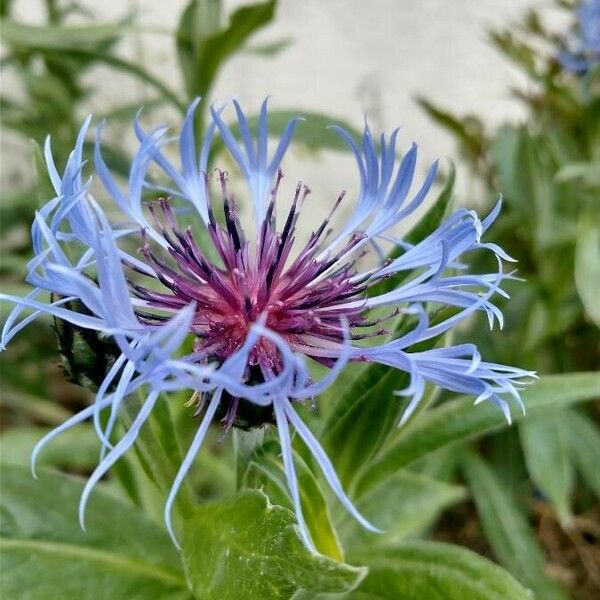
[548,171]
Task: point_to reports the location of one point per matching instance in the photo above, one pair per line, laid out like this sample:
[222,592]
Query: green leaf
[30,405]
[583,440]
[75,449]
[440,465]
[447,120]
[513,163]
[432,570]
[247,445]
[270,49]
[458,420]
[587,265]
[589,172]
[507,530]
[60,37]
[545,448]
[513,48]
[244,547]
[311,133]
[217,47]
[429,571]
[366,412]
[527,178]
[403,505]
[5,7]
[265,471]
[362,420]
[199,19]
[46,555]
[505,456]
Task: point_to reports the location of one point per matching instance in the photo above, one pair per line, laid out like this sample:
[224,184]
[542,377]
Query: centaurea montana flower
[581,50]
[255,310]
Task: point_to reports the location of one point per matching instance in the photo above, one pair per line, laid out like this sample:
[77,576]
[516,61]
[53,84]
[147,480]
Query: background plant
[548,170]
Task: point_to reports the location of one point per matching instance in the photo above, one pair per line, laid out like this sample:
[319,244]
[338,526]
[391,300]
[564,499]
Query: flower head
[256,302]
[581,51]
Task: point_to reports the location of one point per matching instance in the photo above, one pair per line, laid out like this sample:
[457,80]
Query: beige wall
[348,57]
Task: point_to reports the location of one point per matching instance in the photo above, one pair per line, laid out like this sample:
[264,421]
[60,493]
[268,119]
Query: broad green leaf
[46,555]
[76,449]
[587,265]
[265,471]
[429,571]
[564,149]
[548,462]
[583,440]
[458,420]
[5,6]
[432,570]
[508,531]
[440,465]
[244,547]
[60,37]
[403,505]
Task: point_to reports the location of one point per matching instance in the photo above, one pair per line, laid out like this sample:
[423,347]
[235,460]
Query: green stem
[158,451]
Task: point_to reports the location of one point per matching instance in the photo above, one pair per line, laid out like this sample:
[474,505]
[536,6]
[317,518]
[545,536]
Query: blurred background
[354,58]
[508,91]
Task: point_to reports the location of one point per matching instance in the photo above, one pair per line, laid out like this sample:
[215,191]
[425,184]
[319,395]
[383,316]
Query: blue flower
[256,312]
[581,51]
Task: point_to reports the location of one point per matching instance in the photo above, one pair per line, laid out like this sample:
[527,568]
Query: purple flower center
[305,299]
